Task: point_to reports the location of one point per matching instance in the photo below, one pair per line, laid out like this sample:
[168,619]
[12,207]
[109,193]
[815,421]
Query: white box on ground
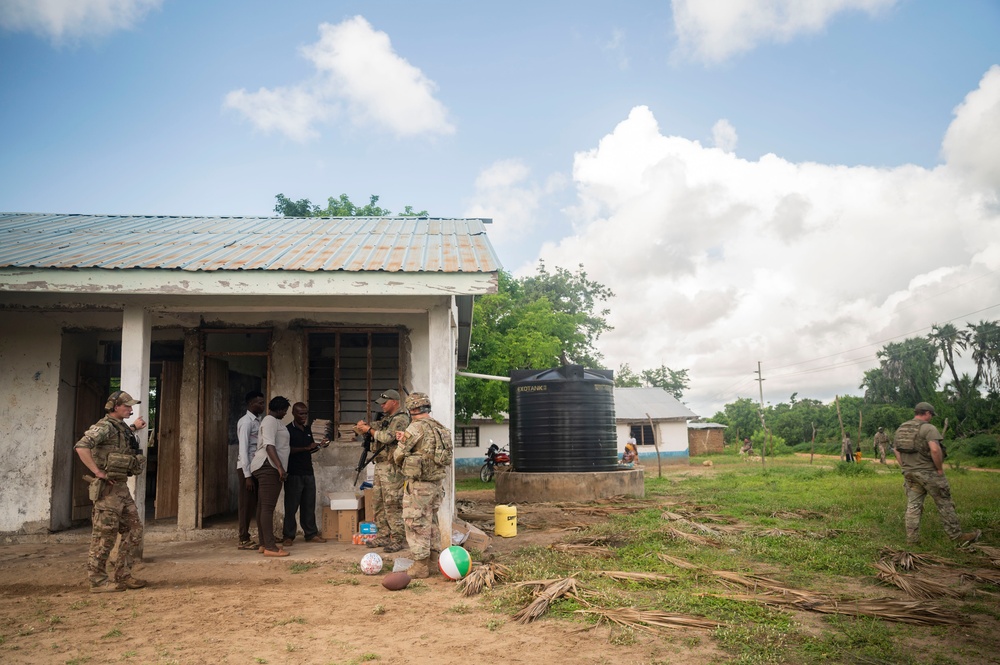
[343,500]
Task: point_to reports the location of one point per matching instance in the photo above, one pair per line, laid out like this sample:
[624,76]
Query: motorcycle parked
[495,456]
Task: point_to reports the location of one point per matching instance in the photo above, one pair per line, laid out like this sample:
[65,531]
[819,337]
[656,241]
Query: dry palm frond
[798,514]
[828,533]
[778,532]
[471,516]
[673,517]
[756,582]
[544,597]
[706,529]
[692,538]
[910,560]
[913,585]
[610,539]
[631,617]
[592,550]
[901,611]
[680,563]
[982,576]
[626,576]
[485,576]
[992,552]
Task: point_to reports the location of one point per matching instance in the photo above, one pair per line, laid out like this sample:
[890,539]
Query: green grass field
[854,511]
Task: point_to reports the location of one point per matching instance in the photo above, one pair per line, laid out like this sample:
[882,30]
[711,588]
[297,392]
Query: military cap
[118,398]
[924,406]
[388,395]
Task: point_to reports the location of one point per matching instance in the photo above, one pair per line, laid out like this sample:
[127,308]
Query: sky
[777,181]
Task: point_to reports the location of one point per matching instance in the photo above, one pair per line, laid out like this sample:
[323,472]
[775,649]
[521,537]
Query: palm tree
[985,344]
[947,338]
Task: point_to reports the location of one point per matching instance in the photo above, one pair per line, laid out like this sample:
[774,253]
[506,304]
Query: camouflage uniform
[388,488]
[114,511]
[921,478]
[881,444]
[423,489]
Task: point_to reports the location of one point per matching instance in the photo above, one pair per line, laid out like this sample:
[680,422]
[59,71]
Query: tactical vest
[906,438]
[114,448]
[431,458]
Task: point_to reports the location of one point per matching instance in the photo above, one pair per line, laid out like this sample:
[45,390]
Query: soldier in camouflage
[110,450]
[881,443]
[918,450]
[423,455]
[388,487]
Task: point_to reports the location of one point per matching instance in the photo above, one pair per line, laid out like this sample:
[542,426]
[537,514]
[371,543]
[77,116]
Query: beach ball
[371,563]
[455,563]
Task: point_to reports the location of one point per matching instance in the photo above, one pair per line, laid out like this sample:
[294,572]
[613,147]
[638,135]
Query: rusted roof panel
[391,244]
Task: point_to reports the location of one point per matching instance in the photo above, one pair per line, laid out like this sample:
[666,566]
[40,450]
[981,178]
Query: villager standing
[424,454]
[111,452]
[247,436]
[920,454]
[388,487]
[300,484]
[881,443]
[847,449]
[268,467]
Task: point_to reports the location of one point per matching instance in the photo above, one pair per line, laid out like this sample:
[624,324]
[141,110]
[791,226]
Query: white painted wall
[29,361]
[671,436]
[469,460]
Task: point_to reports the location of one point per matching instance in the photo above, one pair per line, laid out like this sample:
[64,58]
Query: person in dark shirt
[300,484]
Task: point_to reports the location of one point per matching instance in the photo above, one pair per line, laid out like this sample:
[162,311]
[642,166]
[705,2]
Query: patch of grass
[855,469]
[349,581]
[285,622]
[472,484]
[859,640]
[461,608]
[378,610]
[129,654]
[114,632]
[494,624]
[623,636]
[368,657]
[301,567]
[79,605]
[78,661]
[262,661]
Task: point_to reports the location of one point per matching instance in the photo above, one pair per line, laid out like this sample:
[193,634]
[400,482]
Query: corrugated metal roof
[391,244]
[635,403]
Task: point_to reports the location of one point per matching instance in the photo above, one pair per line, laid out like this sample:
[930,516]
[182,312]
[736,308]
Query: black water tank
[562,420]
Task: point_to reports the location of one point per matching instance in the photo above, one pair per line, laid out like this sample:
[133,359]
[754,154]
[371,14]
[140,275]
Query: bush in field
[776,446]
[854,469]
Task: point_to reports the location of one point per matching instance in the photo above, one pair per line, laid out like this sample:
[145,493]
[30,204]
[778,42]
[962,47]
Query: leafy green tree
[341,206]
[985,344]
[908,373]
[521,327]
[674,382]
[626,378]
[949,340]
[741,417]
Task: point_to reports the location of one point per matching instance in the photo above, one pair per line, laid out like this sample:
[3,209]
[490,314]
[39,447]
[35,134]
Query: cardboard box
[369,502]
[469,536]
[340,525]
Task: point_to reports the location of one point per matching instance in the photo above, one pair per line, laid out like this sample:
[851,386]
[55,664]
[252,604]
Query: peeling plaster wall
[29,357]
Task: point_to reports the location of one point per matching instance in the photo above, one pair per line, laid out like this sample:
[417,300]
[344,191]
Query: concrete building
[639,412]
[188,314]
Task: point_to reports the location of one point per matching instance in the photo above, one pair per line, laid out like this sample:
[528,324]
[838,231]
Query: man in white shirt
[248,434]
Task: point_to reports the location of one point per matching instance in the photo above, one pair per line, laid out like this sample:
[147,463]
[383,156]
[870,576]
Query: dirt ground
[208,602]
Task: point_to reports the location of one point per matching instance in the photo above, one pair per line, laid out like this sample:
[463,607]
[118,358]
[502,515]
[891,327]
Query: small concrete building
[705,438]
[188,314]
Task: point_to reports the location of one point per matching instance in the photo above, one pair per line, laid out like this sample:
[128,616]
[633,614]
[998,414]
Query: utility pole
[763,446]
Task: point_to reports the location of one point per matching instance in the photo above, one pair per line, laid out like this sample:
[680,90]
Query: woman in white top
[268,467]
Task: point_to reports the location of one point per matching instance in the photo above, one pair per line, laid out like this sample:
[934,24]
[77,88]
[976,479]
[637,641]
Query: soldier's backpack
[443,447]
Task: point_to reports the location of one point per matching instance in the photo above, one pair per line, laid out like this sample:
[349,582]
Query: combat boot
[419,569]
[133,582]
[107,587]
[968,538]
[394,546]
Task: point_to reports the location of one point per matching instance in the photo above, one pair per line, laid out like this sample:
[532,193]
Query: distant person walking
[881,443]
[921,457]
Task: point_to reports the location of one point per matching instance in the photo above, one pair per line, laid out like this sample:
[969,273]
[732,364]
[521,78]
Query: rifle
[366,446]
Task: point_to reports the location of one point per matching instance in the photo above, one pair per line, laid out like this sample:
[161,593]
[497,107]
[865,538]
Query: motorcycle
[495,456]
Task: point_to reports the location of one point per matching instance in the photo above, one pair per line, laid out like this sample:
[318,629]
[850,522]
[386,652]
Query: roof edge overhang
[145,281]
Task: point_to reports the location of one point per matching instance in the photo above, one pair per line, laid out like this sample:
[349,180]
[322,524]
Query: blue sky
[781,181]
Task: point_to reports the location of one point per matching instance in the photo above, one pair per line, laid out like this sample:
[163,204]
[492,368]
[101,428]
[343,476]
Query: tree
[528,324]
[626,378]
[742,418]
[985,344]
[674,382]
[947,339]
[337,207]
[908,373]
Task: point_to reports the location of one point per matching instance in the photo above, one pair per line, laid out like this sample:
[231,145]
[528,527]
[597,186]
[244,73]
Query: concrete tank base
[515,487]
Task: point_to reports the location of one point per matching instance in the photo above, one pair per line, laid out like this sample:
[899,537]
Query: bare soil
[208,602]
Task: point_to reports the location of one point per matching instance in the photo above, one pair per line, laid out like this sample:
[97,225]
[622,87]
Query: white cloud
[505,192]
[62,20]
[616,47]
[718,262]
[724,136]
[358,75]
[716,30]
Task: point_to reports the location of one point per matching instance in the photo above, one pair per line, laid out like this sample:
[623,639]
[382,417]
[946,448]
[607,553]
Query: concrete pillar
[136,338]
[442,329]
[188,515]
